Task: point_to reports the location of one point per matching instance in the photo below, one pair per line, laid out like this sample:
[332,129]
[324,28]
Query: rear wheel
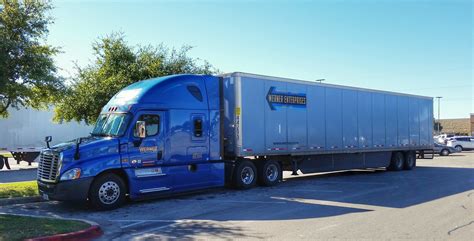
[444,152]
[107,192]
[397,161]
[245,175]
[269,173]
[458,148]
[410,160]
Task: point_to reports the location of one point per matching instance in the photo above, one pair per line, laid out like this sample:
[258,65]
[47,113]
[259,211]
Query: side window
[195,91]
[152,124]
[198,127]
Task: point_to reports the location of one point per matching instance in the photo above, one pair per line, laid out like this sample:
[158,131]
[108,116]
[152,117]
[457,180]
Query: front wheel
[107,192]
[444,152]
[458,148]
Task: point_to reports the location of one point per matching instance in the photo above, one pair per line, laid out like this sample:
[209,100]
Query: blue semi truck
[183,133]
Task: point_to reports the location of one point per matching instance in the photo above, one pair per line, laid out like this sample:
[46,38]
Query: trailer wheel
[245,175]
[107,192]
[410,160]
[397,161]
[269,173]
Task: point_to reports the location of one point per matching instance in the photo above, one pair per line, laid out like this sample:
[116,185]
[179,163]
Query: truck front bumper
[73,190]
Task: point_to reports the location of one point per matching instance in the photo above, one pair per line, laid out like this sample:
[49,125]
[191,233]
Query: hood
[90,147]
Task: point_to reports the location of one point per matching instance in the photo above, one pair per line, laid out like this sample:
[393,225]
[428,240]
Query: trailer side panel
[278,117]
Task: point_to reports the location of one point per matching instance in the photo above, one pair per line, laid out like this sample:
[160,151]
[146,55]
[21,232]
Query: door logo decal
[145,149]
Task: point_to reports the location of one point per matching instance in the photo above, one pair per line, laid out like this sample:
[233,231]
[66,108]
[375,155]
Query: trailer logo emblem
[284,98]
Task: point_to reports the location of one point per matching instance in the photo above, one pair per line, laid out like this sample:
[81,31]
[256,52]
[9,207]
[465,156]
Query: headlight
[72,174]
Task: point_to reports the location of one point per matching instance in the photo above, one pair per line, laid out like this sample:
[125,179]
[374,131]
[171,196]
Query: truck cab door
[146,155]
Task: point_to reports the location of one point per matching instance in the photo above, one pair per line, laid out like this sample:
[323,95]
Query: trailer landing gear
[294,167]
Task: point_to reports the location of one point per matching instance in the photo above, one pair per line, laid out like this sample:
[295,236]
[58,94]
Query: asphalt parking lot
[18,172]
[433,201]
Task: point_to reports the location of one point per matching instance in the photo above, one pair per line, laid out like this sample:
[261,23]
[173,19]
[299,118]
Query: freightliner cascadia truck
[183,133]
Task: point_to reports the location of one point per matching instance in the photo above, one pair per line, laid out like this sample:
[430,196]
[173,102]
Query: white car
[461,143]
[443,138]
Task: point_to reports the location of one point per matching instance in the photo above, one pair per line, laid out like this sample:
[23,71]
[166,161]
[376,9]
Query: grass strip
[20,227]
[18,189]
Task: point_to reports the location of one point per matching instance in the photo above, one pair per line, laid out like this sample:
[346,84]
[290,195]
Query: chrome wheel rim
[247,175]
[109,192]
[272,172]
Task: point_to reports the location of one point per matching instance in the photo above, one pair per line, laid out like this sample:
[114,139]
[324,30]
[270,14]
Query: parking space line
[334,203]
[355,182]
[176,220]
[133,224]
[142,220]
[171,223]
[258,202]
[239,201]
[313,190]
[326,227]
[154,229]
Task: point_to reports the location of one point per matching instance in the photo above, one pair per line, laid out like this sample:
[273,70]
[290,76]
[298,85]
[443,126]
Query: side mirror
[140,128]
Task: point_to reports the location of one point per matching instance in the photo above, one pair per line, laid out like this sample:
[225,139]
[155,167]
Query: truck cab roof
[175,91]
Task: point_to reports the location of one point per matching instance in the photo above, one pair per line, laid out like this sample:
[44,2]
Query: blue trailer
[183,133]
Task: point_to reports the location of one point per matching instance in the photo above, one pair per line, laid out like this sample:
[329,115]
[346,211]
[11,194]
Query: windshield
[111,125]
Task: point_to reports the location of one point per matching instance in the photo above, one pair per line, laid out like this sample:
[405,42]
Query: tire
[269,173]
[397,161]
[444,152]
[107,192]
[245,175]
[410,160]
[458,148]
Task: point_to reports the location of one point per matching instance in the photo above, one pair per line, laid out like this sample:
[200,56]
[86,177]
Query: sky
[418,47]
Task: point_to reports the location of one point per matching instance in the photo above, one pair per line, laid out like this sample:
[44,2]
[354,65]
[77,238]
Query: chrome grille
[48,166]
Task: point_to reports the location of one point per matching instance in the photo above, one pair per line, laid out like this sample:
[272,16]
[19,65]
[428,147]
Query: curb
[19,200]
[92,232]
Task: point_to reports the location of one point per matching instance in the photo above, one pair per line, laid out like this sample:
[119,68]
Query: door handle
[159,155]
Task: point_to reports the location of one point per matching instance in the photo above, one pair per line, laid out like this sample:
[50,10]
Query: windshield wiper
[100,134]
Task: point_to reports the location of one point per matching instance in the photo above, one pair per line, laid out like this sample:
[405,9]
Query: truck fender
[119,172]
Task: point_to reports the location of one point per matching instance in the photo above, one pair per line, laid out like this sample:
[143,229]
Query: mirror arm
[76,153]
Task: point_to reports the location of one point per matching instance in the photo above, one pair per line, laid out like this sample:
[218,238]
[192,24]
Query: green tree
[28,76]
[117,65]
